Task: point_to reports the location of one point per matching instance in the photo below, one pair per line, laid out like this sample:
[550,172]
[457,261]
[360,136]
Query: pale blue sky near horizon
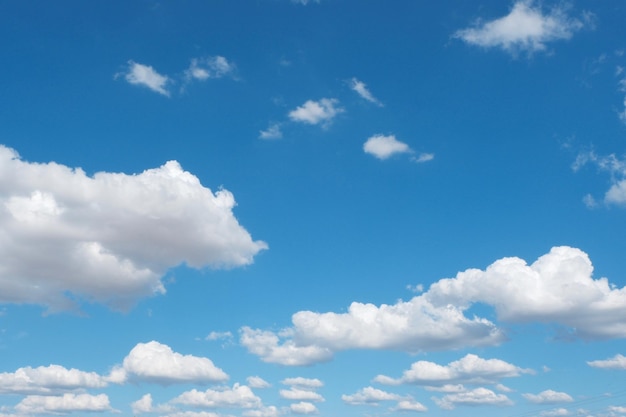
[356,188]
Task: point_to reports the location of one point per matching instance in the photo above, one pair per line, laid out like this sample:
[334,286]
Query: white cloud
[304,2]
[616,362]
[210,67]
[270,411]
[557,288]
[303,408]
[304,383]
[369,396]
[410,405]
[194,414]
[110,237]
[155,362]
[442,388]
[469,369]
[145,75]
[361,89]
[616,167]
[616,409]
[549,397]
[240,396]
[383,147]
[68,403]
[142,405]
[424,157]
[526,28]
[219,336]
[556,413]
[315,112]
[48,380]
[257,382]
[297,394]
[272,132]
[475,397]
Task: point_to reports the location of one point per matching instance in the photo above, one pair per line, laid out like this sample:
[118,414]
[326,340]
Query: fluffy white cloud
[383,147]
[146,76]
[478,396]
[548,397]
[48,380]
[369,396]
[315,112]
[296,394]
[557,288]
[272,132]
[557,412]
[156,362]
[240,396]
[616,362]
[270,411]
[525,28]
[361,89]
[303,407]
[617,409]
[68,403]
[109,237]
[470,369]
[410,405]
[304,383]
[142,405]
[257,382]
[209,67]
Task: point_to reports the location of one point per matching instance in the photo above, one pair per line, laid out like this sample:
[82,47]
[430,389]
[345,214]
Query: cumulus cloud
[470,369]
[475,397]
[361,89]
[303,407]
[68,403]
[410,405]
[110,237]
[257,382]
[369,396]
[155,362]
[269,411]
[210,67]
[239,396]
[273,131]
[383,147]
[303,383]
[145,75]
[316,112]
[526,28]
[297,394]
[548,397]
[615,167]
[557,288]
[53,379]
[557,412]
[616,362]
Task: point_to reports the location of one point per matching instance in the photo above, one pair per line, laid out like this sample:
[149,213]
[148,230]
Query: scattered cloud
[361,89]
[369,396]
[210,67]
[219,336]
[383,147]
[615,167]
[155,362]
[410,405]
[557,413]
[305,2]
[304,383]
[269,411]
[273,131]
[316,112]
[108,238]
[527,28]
[470,369]
[142,405]
[475,397]
[303,407]
[257,382]
[145,75]
[47,380]
[548,397]
[424,157]
[240,396]
[298,394]
[68,403]
[616,362]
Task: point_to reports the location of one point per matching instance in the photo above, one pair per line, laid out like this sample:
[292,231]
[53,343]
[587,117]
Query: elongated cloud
[155,362]
[239,396]
[68,403]
[616,362]
[147,76]
[558,288]
[549,397]
[108,238]
[52,379]
[475,397]
[369,396]
[526,28]
[316,112]
[361,89]
[383,147]
[210,67]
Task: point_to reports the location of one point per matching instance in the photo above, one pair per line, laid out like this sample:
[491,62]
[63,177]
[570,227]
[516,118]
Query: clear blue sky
[297,207]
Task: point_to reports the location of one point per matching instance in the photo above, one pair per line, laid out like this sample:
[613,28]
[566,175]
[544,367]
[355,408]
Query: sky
[272,208]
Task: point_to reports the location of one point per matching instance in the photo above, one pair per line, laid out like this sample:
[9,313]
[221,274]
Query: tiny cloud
[145,75]
[383,147]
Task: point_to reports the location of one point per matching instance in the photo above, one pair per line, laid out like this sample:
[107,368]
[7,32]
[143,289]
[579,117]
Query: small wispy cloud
[209,67]
[361,89]
[273,131]
[145,75]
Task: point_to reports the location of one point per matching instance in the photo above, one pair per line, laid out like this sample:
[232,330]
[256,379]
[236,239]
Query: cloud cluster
[548,397]
[239,396]
[385,146]
[369,396]
[615,167]
[210,67]
[558,288]
[315,112]
[67,403]
[526,28]
[48,380]
[616,362]
[477,396]
[108,238]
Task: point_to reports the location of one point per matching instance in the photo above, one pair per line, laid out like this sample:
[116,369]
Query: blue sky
[338,208]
